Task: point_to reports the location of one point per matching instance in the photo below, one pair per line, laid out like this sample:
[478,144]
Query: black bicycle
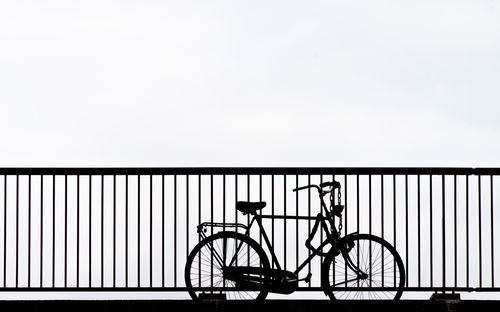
[234,266]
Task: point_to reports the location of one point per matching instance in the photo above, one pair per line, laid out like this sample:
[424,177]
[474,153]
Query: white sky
[249,83]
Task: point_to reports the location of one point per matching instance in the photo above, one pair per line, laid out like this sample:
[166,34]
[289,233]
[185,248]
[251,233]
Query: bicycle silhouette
[234,266]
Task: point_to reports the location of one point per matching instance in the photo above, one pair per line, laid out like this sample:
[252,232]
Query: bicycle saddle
[249,207]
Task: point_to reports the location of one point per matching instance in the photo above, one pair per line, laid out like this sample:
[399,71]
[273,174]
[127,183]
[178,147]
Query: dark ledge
[250,306]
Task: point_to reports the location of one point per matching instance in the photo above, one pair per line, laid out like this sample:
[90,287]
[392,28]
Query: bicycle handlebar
[335,185]
[306,187]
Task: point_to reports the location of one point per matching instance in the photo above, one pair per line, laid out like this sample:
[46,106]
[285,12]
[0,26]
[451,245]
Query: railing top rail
[249,170]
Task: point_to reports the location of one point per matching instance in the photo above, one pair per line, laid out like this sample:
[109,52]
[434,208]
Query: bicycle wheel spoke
[207,262]
[368,263]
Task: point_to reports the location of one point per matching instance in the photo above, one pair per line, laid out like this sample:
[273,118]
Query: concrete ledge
[250,306]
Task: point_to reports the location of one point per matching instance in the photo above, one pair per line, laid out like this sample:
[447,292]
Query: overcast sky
[249,83]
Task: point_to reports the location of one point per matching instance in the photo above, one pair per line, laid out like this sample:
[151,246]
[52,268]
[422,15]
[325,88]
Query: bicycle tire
[380,262]
[203,275]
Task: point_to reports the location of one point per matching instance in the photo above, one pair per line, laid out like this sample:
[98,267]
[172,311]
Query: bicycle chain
[332,202]
[339,197]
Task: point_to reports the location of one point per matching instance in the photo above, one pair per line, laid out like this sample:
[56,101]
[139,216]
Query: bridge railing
[131,229]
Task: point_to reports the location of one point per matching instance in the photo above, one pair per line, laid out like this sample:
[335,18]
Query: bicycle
[232,265]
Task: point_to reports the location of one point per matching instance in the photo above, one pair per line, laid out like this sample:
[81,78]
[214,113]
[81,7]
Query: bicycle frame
[326,221]
[320,219]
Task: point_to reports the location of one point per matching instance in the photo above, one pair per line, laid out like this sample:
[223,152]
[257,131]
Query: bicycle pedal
[306,279]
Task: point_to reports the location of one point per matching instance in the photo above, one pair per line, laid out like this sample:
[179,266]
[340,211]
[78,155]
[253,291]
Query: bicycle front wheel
[209,262]
[363,266]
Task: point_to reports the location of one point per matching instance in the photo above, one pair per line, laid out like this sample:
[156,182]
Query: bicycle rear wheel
[363,266]
[210,264]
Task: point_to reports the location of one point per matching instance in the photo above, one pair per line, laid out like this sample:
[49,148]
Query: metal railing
[131,229]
